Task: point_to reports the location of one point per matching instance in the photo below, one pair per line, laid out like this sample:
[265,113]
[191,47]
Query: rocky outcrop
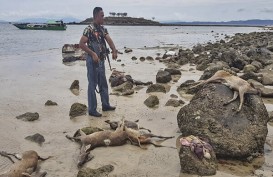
[231,133]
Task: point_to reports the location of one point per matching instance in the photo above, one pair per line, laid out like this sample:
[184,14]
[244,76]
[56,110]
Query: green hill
[123,21]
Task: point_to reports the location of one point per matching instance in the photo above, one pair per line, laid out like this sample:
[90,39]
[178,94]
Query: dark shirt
[96,38]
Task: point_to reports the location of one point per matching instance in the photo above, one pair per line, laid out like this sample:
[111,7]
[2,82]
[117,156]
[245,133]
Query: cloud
[266,10]
[241,10]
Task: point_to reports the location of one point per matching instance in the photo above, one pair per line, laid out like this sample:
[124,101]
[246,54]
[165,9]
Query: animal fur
[238,85]
[111,138]
[129,124]
[97,139]
[26,166]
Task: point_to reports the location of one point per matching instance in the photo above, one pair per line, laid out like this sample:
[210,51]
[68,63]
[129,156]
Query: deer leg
[241,94]
[235,95]
[157,136]
[145,129]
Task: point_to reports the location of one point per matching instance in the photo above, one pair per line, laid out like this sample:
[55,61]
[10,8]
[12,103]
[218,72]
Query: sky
[161,10]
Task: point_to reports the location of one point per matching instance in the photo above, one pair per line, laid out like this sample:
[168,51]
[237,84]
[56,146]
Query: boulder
[173,102]
[156,88]
[163,77]
[232,134]
[75,85]
[77,109]
[151,101]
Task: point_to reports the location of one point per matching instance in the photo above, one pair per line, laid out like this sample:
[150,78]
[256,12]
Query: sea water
[15,42]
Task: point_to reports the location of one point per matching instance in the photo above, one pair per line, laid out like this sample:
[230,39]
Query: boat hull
[27,26]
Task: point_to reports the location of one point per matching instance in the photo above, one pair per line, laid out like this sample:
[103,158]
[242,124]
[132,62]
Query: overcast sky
[161,10]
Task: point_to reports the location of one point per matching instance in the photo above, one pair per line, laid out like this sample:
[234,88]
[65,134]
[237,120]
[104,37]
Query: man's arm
[112,46]
[85,48]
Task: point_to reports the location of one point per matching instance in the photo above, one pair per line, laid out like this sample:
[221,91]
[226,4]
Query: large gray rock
[163,77]
[231,133]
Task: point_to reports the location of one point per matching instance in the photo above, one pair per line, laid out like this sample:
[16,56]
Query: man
[93,43]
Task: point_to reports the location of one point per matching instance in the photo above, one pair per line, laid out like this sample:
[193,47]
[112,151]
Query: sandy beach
[26,90]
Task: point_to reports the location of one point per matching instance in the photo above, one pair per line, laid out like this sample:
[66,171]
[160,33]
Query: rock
[163,77]
[77,109]
[123,87]
[232,134]
[267,79]
[100,172]
[75,85]
[128,50]
[37,138]
[50,103]
[151,101]
[134,58]
[173,71]
[249,68]
[270,48]
[191,164]
[70,48]
[28,116]
[173,96]
[142,58]
[173,102]
[149,58]
[156,88]
[127,92]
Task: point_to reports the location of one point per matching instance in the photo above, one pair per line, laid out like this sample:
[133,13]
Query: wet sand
[27,82]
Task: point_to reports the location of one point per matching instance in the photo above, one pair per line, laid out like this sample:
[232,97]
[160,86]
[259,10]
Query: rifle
[107,56]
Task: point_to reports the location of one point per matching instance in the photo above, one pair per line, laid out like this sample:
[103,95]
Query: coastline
[27,90]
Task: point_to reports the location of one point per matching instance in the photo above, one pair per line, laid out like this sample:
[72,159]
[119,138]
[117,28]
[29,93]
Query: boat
[49,25]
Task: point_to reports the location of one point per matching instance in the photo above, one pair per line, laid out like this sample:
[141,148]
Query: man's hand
[95,57]
[114,54]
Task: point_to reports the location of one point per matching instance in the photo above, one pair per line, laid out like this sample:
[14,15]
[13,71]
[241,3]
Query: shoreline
[26,90]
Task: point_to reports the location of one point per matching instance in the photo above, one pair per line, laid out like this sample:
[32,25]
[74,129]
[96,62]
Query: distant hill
[123,21]
[3,21]
[44,20]
[253,22]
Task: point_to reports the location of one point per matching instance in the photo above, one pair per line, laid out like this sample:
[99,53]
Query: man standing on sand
[93,43]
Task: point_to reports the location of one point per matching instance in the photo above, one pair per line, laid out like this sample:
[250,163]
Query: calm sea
[14,42]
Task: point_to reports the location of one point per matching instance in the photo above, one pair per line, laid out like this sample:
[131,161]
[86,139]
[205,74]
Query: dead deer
[99,139]
[111,138]
[237,84]
[129,124]
[26,167]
